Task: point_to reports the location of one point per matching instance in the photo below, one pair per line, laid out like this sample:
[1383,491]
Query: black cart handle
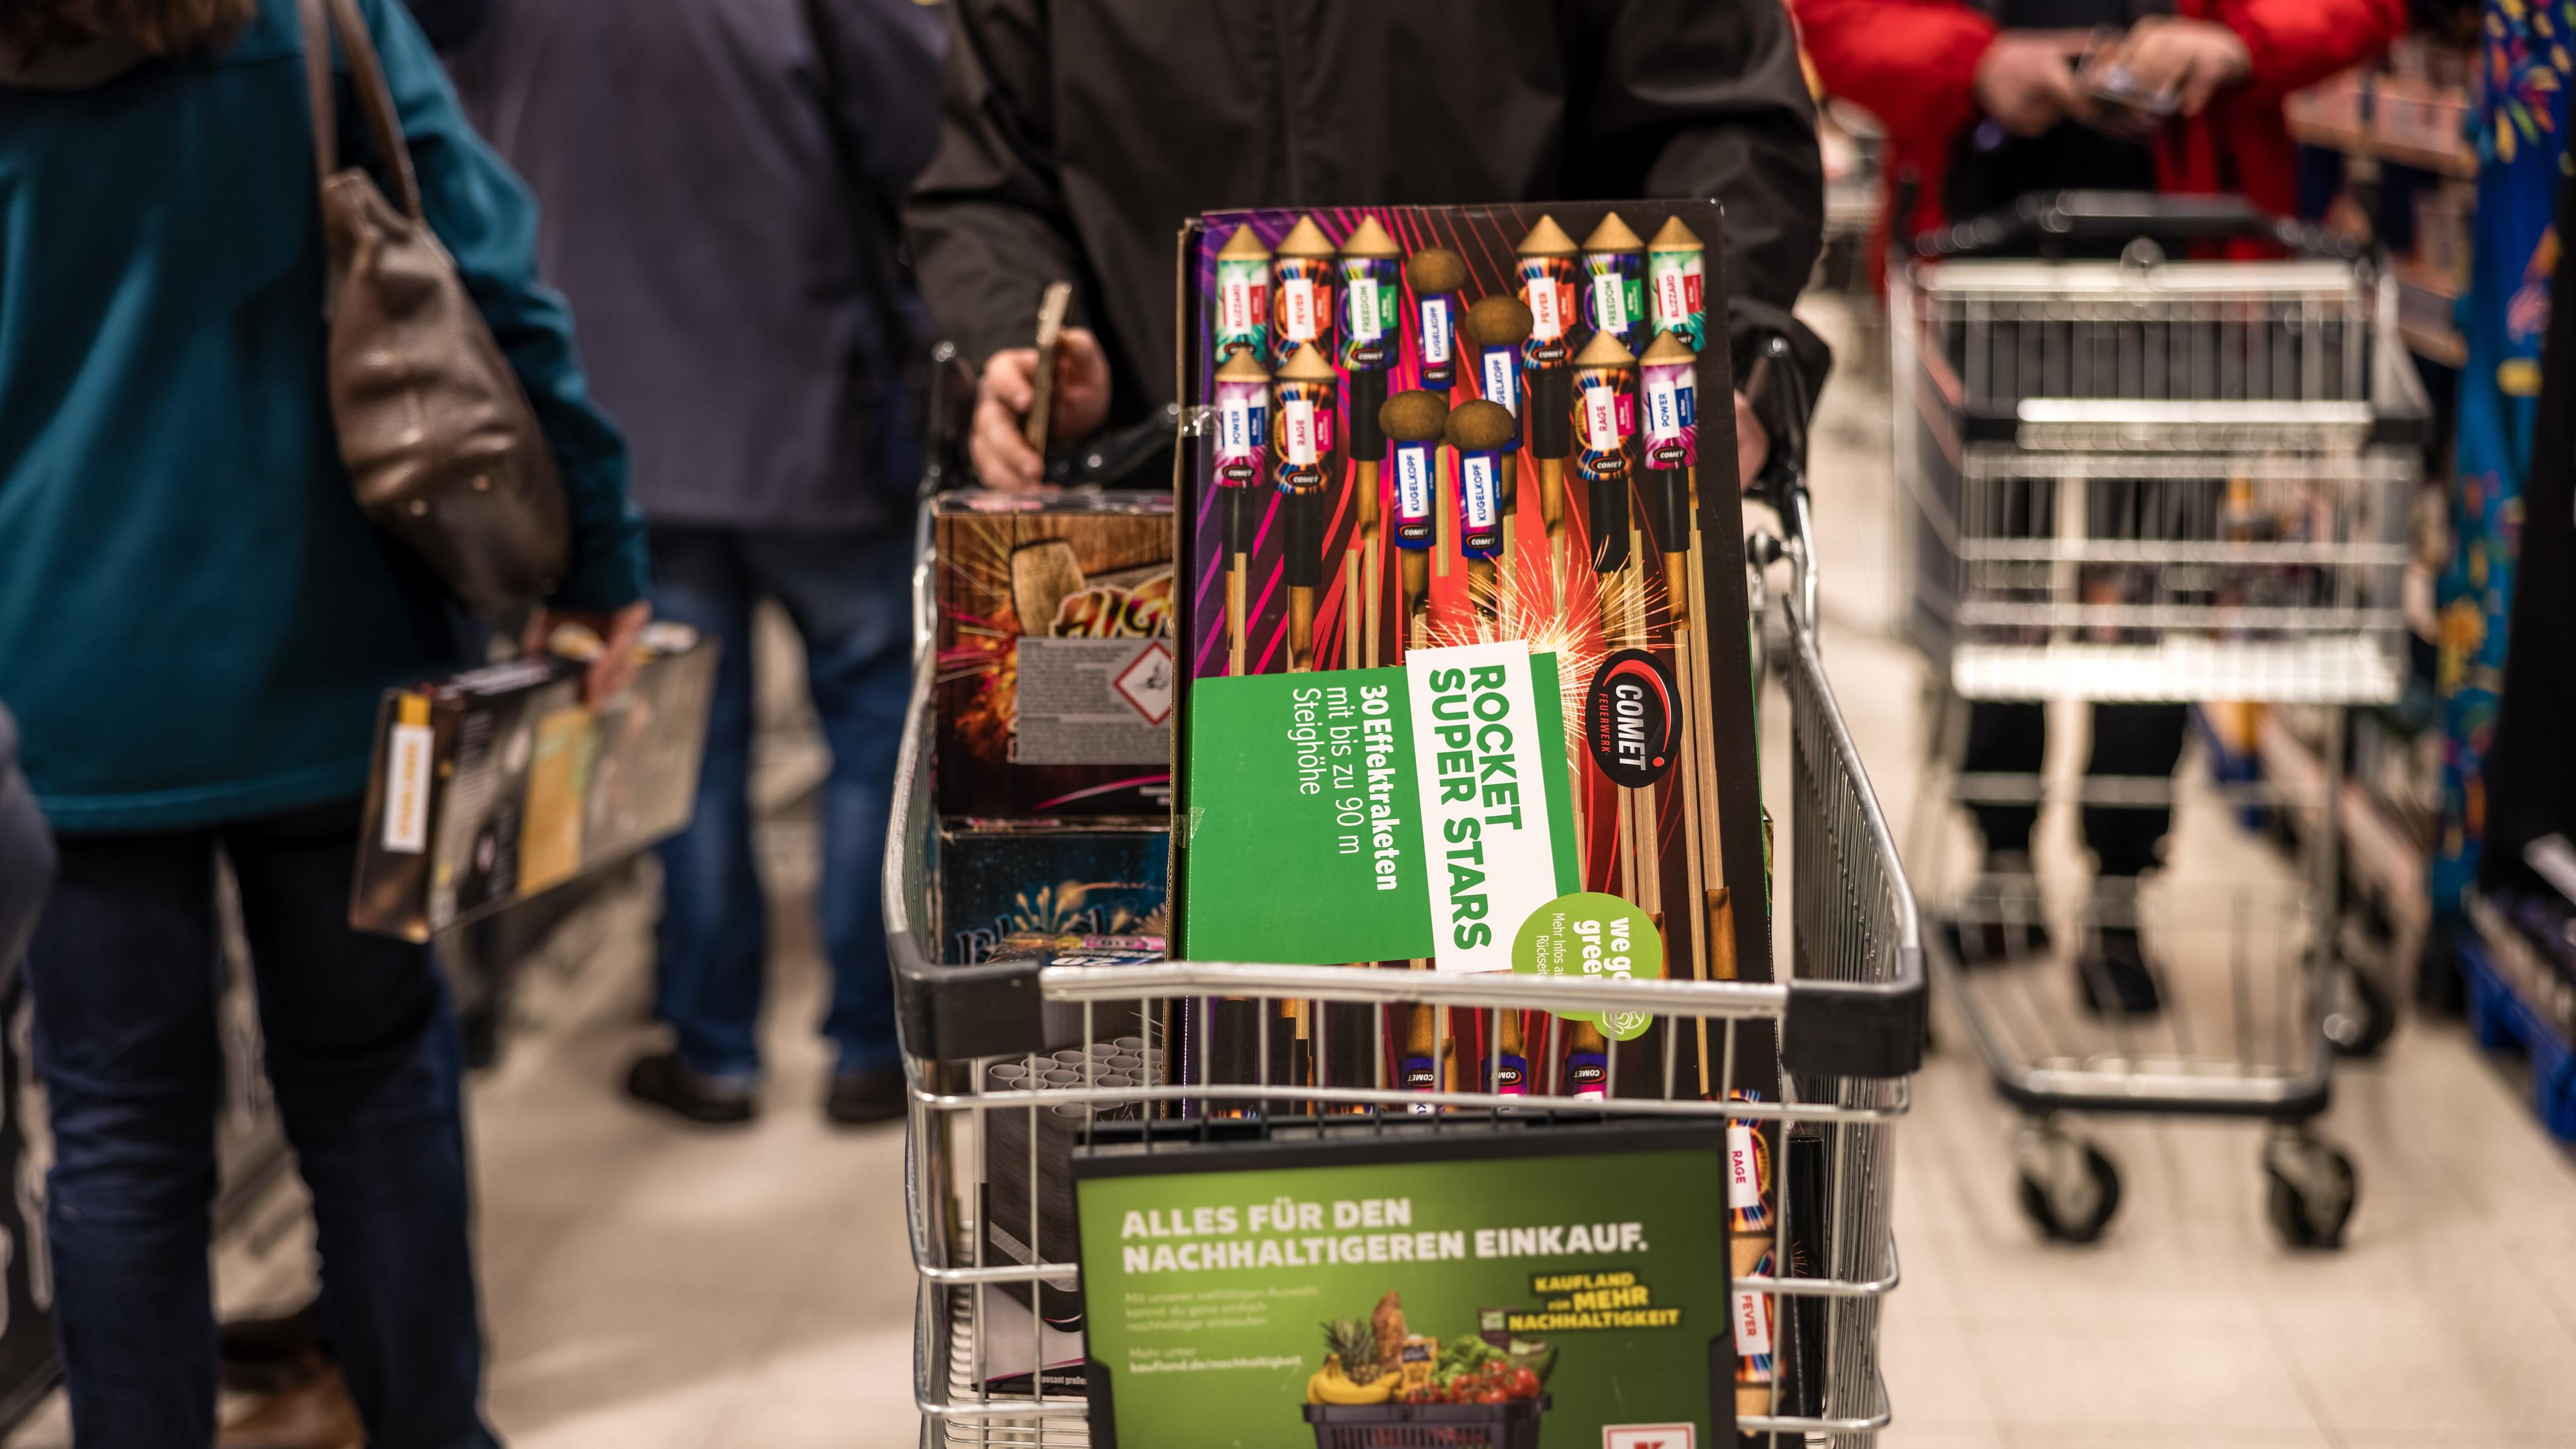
[2043,218]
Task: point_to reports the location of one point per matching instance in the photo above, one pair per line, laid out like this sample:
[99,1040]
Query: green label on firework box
[1378,814]
[1411,1289]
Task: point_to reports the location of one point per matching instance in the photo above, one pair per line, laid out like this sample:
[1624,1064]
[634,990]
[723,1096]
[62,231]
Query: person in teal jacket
[195,625]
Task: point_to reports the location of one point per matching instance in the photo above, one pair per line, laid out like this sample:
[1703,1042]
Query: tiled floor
[650,1286]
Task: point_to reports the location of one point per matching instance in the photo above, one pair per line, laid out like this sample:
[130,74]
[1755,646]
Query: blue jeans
[125,972]
[851,598]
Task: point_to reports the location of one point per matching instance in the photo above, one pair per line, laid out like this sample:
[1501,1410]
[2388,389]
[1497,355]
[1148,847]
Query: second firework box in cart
[1466,657]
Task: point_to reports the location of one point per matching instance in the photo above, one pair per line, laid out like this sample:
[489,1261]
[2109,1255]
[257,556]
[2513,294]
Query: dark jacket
[26,856]
[1080,134]
[195,620]
[720,188]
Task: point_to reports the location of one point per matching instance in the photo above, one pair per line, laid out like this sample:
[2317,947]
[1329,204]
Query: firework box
[1349,812]
[1056,675]
[1063,1020]
[998,886]
[499,783]
[1597,1254]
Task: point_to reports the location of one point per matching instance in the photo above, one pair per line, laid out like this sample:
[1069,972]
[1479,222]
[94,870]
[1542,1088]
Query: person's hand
[1752,444]
[1002,455]
[2191,59]
[2026,84]
[618,634]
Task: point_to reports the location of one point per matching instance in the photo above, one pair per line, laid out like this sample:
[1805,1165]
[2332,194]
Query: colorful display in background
[2520,118]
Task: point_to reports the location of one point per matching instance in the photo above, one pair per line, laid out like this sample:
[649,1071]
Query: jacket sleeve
[988,220]
[1712,94]
[488,221]
[2296,43]
[1911,63]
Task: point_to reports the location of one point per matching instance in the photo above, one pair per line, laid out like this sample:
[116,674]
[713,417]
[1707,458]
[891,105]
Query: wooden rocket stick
[1547,289]
[1242,465]
[1301,426]
[1478,430]
[1499,326]
[1414,421]
[1372,331]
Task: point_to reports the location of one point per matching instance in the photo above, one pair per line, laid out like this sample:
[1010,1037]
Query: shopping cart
[1845,1024]
[2153,480]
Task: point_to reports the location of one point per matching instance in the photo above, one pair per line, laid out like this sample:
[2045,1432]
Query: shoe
[2113,977]
[663,1080]
[2001,918]
[312,1411]
[264,1355]
[868,1095]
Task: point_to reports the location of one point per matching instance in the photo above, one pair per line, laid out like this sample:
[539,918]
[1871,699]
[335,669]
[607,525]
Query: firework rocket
[1302,292]
[1242,452]
[1243,297]
[1437,275]
[1301,431]
[1547,288]
[1614,285]
[1676,283]
[1415,420]
[1477,431]
[1371,332]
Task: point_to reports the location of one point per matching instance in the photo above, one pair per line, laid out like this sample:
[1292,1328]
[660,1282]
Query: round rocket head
[1434,270]
[1499,321]
[1414,417]
[1478,426]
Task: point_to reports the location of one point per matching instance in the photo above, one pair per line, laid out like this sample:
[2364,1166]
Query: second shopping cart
[2147,478]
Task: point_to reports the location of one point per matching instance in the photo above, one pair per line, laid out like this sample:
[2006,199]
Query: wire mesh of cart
[2143,481]
[992,1121]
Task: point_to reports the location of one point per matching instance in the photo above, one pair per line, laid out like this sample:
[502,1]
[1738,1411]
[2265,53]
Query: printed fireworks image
[999,883]
[1015,571]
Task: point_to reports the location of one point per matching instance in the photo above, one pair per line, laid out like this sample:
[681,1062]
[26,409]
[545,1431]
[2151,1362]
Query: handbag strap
[375,102]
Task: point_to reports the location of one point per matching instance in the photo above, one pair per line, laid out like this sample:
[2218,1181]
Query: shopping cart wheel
[2360,1013]
[2069,1190]
[2313,1189]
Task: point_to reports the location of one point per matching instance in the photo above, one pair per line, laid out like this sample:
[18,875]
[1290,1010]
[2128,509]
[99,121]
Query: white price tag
[1297,431]
[1743,1170]
[1476,486]
[1234,426]
[1413,481]
[1500,379]
[407,790]
[1610,302]
[1752,1325]
[1365,326]
[1235,304]
[1547,319]
[1663,411]
[1600,420]
[1435,330]
[1297,309]
[1670,298]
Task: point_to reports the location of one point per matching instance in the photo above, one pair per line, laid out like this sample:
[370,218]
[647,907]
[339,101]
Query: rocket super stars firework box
[1464,627]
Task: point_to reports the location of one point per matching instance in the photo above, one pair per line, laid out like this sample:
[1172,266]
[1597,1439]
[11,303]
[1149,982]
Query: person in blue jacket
[195,625]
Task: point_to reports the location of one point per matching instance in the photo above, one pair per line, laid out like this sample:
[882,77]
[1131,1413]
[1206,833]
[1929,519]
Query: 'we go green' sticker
[1598,937]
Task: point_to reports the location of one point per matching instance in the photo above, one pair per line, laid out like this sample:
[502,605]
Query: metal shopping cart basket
[1846,1026]
[2140,481]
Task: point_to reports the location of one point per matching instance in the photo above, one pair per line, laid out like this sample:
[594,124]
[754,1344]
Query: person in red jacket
[1983,105]
[1989,82]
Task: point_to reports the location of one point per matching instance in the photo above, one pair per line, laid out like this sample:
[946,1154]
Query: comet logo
[1632,719]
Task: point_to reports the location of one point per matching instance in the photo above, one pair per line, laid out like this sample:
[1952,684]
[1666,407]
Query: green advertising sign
[1247,1296]
[1378,814]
